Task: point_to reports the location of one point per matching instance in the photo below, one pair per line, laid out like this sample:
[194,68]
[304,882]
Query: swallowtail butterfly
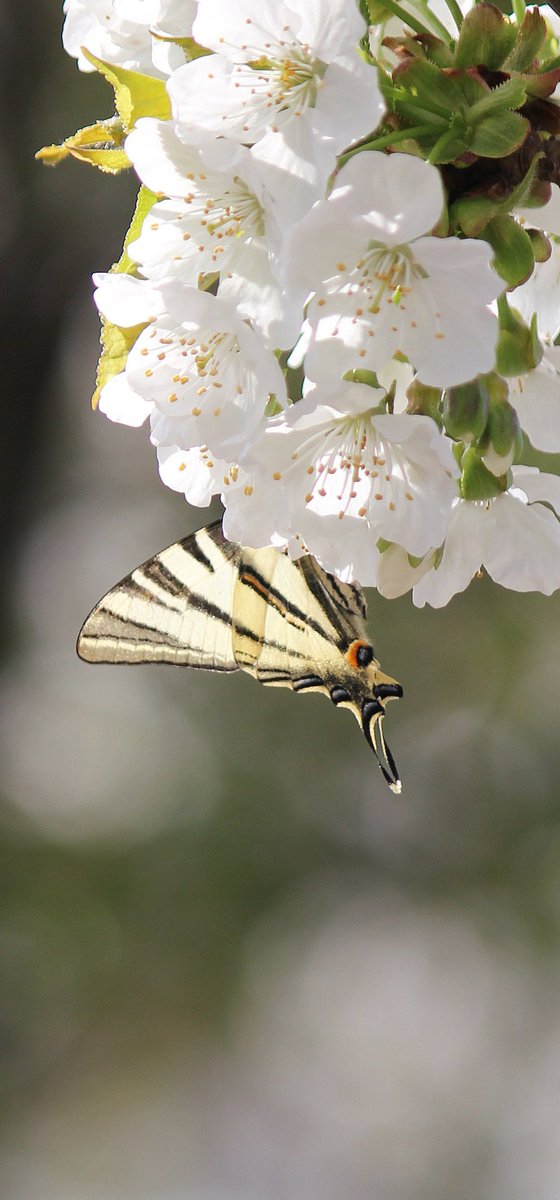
[206,602]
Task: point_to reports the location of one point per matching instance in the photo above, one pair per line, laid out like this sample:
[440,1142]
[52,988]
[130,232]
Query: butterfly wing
[175,608]
[300,629]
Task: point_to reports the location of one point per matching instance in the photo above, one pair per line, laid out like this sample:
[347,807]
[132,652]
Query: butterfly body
[209,603]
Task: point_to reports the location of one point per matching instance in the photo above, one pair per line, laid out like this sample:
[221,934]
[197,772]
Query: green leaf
[486,38]
[116,341]
[509,94]
[513,252]
[116,344]
[499,135]
[136,95]
[100,145]
[144,203]
[531,37]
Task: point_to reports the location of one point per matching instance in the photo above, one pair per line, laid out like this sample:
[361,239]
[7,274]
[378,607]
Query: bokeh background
[232,965]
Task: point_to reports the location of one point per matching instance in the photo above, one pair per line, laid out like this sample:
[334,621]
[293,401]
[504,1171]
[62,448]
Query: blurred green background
[232,965]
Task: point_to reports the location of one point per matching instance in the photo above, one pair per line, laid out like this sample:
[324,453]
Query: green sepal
[424,401]
[513,251]
[540,245]
[541,85]
[477,482]
[465,410]
[116,340]
[531,36]
[486,38]
[472,214]
[360,375]
[100,145]
[136,95]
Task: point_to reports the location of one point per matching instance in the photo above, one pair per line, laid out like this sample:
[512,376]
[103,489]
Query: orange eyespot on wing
[359,654]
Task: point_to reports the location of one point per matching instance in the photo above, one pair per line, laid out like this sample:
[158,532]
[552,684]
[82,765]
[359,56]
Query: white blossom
[219,219]
[514,537]
[195,361]
[381,287]
[284,73]
[130,33]
[333,474]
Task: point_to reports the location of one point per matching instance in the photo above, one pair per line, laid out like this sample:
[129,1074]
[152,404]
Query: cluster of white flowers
[292,292]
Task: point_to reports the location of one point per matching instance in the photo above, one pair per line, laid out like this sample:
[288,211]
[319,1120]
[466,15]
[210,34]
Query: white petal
[536,399]
[195,472]
[330,27]
[541,295]
[349,103]
[121,404]
[399,196]
[244,29]
[525,554]
[467,543]
[538,485]
[126,301]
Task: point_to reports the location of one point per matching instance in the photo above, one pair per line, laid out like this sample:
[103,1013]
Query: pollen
[248,490]
[196,412]
[409,496]
[182,466]
[276,474]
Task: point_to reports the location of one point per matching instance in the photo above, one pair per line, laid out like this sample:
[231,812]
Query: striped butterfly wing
[298,631]
[175,608]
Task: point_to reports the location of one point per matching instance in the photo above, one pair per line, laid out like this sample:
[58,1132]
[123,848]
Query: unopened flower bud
[502,438]
[465,410]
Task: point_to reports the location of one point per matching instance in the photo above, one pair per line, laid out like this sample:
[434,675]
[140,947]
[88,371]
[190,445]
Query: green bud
[513,251]
[477,482]
[519,349]
[424,401]
[502,438]
[465,410]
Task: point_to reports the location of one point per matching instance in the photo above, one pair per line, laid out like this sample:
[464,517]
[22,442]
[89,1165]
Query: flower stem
[408,19]
[455,12]
[388,139]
